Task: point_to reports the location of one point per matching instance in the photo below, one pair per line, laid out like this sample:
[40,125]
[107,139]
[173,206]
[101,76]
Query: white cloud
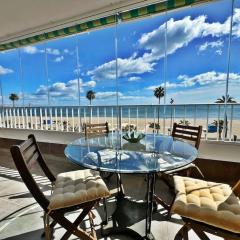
[66,51]
[4,70]
[236,22]
[208,78]
[61,89]
[152,87]
[104,95]
[126,67]
[219,51]
[34,50]
[168,86]
[214,44]
[133,79]
[203,94]
[124,97]
[90,84]
[53,51]
[198,95]
[42,90]
[59,59]
[30,50]
[179,34]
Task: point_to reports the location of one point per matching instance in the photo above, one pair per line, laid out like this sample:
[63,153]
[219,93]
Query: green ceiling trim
[105,21]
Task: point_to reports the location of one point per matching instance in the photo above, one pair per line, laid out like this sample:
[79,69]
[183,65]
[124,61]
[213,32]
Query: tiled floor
[21,217]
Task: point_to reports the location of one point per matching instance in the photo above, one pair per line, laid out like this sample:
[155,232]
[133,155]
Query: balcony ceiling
[28,17]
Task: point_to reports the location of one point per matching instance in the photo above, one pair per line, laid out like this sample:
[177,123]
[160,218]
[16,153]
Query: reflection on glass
[233,116]
[184,53]
[111,153]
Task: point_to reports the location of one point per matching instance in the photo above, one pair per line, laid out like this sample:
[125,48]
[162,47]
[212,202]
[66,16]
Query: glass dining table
[111,153]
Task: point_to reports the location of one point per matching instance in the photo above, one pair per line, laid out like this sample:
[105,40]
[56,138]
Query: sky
[195,41]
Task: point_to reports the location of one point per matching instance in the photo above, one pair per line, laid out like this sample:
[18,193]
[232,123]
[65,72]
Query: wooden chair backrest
[96,128]
[25,156]
[236,188]
[190,133]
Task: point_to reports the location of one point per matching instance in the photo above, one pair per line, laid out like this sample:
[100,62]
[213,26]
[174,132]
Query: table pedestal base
[126,214]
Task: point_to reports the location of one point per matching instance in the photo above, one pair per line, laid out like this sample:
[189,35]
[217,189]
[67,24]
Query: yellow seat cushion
[76,187]
[208,202]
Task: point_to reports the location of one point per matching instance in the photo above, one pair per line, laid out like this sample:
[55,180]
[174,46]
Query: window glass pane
[62,80]
[233,113]
[34,75]
[141,48]
[9,78]
[197,47]
[97,71]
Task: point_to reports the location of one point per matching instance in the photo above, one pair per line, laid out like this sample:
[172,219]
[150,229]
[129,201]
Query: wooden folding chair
[76,190]
[192,134]
[95,129]
[207,207]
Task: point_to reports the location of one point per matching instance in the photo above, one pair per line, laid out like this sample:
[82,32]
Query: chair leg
[106,176]
[200,233]
[72,228]
[120,185]
[105,222]
[47,226]
[80,218]
[195,172]
[182,234]
[91,217]
[161,202]
[165,205]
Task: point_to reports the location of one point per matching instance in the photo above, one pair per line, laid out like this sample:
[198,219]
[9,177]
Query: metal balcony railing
[144,118]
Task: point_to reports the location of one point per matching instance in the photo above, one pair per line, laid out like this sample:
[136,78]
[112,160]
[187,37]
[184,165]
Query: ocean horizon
[127,111]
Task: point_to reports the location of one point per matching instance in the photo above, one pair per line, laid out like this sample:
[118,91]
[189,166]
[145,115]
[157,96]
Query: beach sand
[75,124]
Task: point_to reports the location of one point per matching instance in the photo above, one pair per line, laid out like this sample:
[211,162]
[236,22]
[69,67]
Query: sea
[203,111]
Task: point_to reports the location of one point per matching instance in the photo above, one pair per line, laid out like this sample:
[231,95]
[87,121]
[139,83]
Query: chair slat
[26,144]
[29,152]
[187,127]
[187,132]
[185,137]
[96,128]
[33,160]
[95,124]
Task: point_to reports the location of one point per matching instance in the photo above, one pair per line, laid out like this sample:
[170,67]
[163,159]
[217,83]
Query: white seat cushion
[208,202]
[76,187]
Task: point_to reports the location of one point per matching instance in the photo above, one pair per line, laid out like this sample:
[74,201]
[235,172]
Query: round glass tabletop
[112,153]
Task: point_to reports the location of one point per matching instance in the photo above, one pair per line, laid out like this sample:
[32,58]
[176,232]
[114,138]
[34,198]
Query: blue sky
[195,70]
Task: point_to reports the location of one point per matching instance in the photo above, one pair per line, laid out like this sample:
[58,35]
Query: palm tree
[223,99]
[184,122]
[90,96]
[159,93]
[219,124]
[13,97]
[225,122]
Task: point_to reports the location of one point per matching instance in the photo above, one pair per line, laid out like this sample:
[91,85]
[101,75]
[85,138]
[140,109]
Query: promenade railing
[144,118]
